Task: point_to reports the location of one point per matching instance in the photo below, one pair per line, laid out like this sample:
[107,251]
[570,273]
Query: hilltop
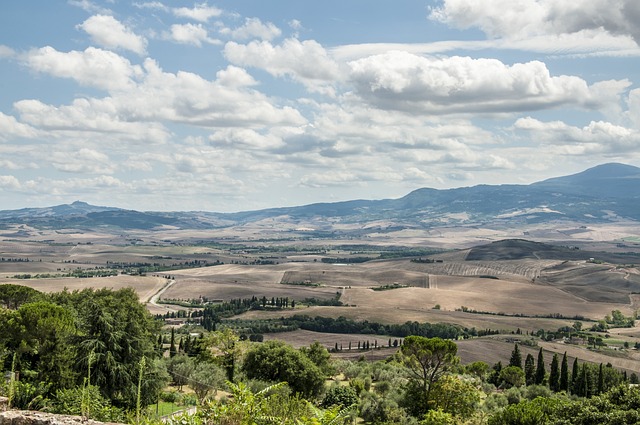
[608,193]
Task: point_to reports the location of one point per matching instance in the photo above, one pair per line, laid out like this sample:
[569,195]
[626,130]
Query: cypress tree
[540,370]
[554,374]
[564,374]
[600,380]
[172,347]
[575,376]
[530,370]
[516,357]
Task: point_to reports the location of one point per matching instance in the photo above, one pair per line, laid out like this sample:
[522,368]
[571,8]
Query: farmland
[504,286]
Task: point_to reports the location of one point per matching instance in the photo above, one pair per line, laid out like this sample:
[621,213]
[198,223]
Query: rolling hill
[606,193]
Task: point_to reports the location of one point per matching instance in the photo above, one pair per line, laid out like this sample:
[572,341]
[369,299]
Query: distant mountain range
[605,193]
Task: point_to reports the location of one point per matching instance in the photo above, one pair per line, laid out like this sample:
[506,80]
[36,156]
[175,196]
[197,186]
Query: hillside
[607,193]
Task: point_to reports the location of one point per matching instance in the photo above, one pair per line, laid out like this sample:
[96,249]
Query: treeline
[348,326]
[77,273]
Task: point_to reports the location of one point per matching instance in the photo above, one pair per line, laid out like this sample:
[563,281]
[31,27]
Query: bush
[339,395]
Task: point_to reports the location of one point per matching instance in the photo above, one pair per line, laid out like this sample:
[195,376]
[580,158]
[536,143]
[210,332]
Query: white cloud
[152,5]
[9,183]
[254,28]
[304,61]
[194,34]
[232,76]
[597,137]
[188,98]
[10,128]
[201,12]
[245,137]
[92,67]
[521,19]
[110,33]
[86,118]
[6,51]
[84,160]
[403,81]
[88,6]
[633,112]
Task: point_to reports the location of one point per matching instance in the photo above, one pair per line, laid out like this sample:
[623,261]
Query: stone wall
[23,417]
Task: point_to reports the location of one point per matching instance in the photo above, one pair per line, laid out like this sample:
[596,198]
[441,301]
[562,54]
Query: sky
[240,105]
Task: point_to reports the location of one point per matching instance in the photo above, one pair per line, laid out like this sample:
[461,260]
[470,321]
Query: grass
[164,408]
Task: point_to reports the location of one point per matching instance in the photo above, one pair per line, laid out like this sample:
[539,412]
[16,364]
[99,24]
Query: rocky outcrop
[23,417]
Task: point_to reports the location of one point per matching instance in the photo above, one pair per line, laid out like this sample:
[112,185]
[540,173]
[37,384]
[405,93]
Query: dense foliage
[99,354]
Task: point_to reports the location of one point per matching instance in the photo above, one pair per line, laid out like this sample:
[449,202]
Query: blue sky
[241,105]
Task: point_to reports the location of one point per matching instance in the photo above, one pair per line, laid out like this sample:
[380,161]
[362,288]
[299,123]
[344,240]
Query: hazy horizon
[225,106]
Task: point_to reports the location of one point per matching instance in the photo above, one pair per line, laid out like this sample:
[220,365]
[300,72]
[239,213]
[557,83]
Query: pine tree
[530,369]
[554,374]
[516,357]
[540,369]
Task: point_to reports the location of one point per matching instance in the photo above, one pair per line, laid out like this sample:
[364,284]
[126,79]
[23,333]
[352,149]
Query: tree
[172,345]
[119,331]
[516,357]
[206,378]
[530,370]
[564,374]
[575,375]
[600,389]
[340,395]
[224,349]
[275,361]
[13,296]
[180,368]
[540,369]
[427,359]
[554,374]
[455,396]
[320,356]
[40,334]
[512,376]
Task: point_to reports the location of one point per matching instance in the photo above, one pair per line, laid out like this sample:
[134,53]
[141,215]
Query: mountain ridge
[607,192]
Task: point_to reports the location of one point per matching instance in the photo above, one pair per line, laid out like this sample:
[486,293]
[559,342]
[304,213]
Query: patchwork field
[503,286]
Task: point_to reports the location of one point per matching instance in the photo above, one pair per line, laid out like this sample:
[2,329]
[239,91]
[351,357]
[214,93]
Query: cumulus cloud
[201,12]
[92,67]
[253,28]
[84,160]
[110,33]
[194,34]
[303,61]
[9,183]
[10,128]
[596,137]
[233,76]
[521,19]
[188,98]
[403,81]
[633,112]
[89,116]
[246,138]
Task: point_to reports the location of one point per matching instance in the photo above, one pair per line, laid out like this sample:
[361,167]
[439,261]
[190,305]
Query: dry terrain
[510,289]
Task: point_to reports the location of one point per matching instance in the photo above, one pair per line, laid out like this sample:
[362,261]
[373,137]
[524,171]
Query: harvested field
[485,295]
[499,348]
[240,281]
[594,282]
[403,314]
[303,338]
